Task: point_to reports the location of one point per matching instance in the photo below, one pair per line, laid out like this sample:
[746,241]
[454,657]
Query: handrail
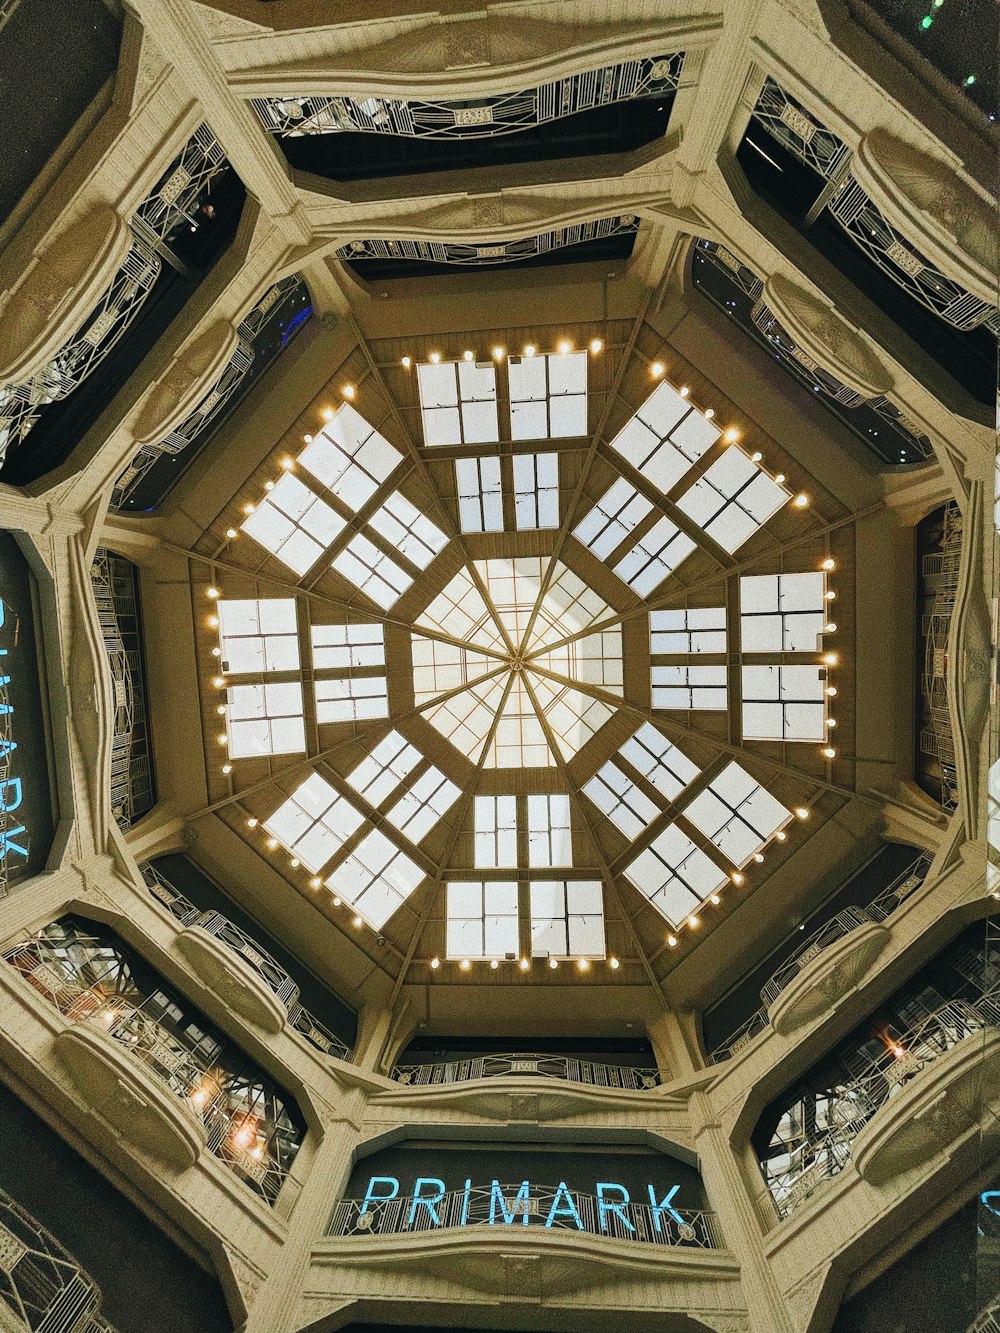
[41,1282]
[848,1108]
[240,942]
[845,921]
[545,1206]
[236,1133]
[547,1066]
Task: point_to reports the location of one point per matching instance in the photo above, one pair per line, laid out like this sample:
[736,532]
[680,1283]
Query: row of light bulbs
[829,659]
[564,347]
[524,964]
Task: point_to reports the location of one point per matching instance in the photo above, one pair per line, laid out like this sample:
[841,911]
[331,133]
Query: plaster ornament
[943,216]
[186,381]
[828,338]
[61,286]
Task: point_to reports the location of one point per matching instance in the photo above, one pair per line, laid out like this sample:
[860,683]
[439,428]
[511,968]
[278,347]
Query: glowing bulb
[315,882]
[524,964]
[223,739]
[249,509]
[657,369]
[672,941]
[801,812]
[553,963]
[294,863]
[468,355]
[779,477]
[348,390]
[829,563]
[465,964]
[219,682]
[694,922]
[830,627]
[498,354]
[308,439]
[530,350]
[213,622]
[829,594]
[221,710]
[230,533]
[268,485]
[272,843]
[327,414]
[251,823]
[830,659]
[758,857]
[831,691]
[684,391]
[407,362]
[212,592]
[831,721]
[216,652]
[583,964]
[715,899]
[781,836]
[596,345]
[565,347]
[614,964]
[737,878]
[227,768]
[435,357]
[435,963]
[801,500]
[756,457]
[829,752]
[731,435]
[357,923]
[336,901]
[494,964]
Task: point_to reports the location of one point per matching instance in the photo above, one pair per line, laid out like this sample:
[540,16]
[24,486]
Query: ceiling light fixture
[829,595]
[596,345]
[468,355]
[829,563]
[272,843]
[781,836]
[694,922]
[435,963]
[530,350]
[715,899]
[657,370]
[829,752]
[498,353]
[435,357]
[830,627]
[672,941]
[268,485]
[831,691]
[756,456]
[221,710]
[327,414]
[801,812]
[801,500]
[212,592]
[565,347]
[227,768]
[709,413]
[737,878]
[553,963]
[583,964]
[294,863]
[357,923]
[758,857]
[465,964]
[349,391]
[779,477]
[336,901]
[524,964]
[614,964]
[213,622]
[288,462]
[315,882]
[216,652]
[407,363]
[494,964]
[223,739]
[248,509]
[219,682]
[251,822]
[830,659]
[231,533]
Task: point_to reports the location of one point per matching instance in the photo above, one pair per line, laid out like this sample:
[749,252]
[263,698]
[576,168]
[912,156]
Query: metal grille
[941,576]
[546,1066]
[503,252]
[41,1283]
[483,1206]
[811,142]
[170,206]
[216,397]
[483,118]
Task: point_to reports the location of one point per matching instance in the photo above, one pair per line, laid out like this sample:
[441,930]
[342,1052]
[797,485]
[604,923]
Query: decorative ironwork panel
[803,135]
[483,118]
[502,252]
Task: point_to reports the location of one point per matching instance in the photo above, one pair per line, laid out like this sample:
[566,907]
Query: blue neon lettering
[497,1197]
[991,1199]
[5,808]
[7,747]
[465,1203]
[7,843]
[372,1196]
[568,1211]
[419,1200]
[664,1206]
[604,1206]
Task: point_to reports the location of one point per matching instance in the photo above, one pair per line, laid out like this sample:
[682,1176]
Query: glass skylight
[614,518]
[340,647]
[314,822]
[696,630]
[675,875]
[258,636]
[550,841]
[423,804]
[379,774]
[294,524]
[733,499]
[352,699]
[567,919]
[458,402]
[737,814]
[659,761]
[482,920]
[480,498]
[408,531]
[371,570]
[784,703]
[376,879]
[665,437]
[656,554]
[495,837]
[536,490]
[782,612]
[548,396]
[264,719]
[620,799]
[349,457]
[693,687]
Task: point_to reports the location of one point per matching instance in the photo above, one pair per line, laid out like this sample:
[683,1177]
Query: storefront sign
[13,831]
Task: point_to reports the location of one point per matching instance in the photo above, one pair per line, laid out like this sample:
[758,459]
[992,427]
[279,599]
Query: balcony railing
[41,1284]
[260,961]
[988,1320]
[235,1132]
[846,921]
[499,252]
[546,1206]
[823,1152]
[547,1066]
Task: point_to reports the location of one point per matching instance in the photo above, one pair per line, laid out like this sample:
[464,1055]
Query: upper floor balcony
[522,1064]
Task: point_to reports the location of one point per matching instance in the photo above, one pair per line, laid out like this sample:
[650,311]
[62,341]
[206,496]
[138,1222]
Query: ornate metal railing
[483,118]
[823,1152]
[547,1066]
[41,1284]
[165,210]
[240,942]
[132,789]
[216,397]
[545,1206]
[938,739]
[236,1132]
[500,252]
[803,135]
[988,1320]
[835,929]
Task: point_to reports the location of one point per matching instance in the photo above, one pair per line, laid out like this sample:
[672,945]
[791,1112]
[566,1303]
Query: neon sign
[559,1205]
[13,834]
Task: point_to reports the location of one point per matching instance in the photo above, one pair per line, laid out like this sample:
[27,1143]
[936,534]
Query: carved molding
[186,380]
[827,337]
[942,215]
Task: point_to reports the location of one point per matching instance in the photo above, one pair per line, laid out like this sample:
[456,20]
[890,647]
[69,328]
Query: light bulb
[465,964]
[758,857]
[596,345]
[315,882]
[694,922]
[530,350]
[614,964]
[829,752]
[288,463]
[801,812]
[494,964]
[223,739]
[221,710]
[219,682]
[336,901]
[829,594]
[435,357]
[349,391]
[830,627]
[709,413]
[435,963]
[524,964]
[212,592]
[715,899]
[779,477]
[498,354]
[684,391]
[737,878]
[831,691]
[756,456]
[251,822]
[583,964]
[294,863]
[829,563]
[213,622]
[272,843]
[657,369]
[357,923]
[565,347]
[553,963]
[781,836]
[268,485]
[731,435]
[407,362]
[230,533]
[801,500]
[227,768]
[468,355]
[249,509]
[830,659]
[327,414]
[672,941]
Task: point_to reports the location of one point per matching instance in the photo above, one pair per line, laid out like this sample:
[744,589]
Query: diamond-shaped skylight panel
[350,458]
[665,437]
[733,499]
